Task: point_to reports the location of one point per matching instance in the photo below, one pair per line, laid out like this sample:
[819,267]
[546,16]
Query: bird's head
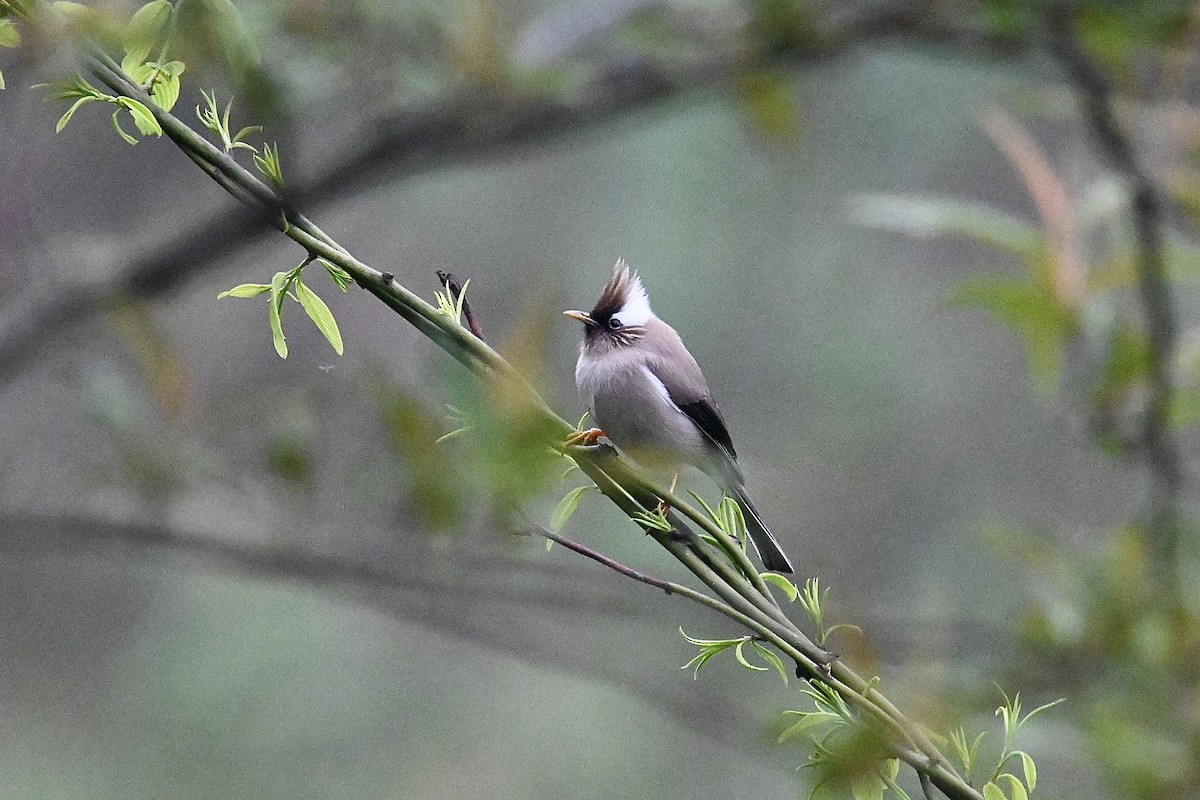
[620,316]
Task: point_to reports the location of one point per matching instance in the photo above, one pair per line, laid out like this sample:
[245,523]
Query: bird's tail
[772,555]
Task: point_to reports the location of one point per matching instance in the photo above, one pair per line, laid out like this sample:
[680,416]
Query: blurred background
[904,259]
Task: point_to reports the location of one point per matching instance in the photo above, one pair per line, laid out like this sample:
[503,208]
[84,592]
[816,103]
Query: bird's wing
[687,388]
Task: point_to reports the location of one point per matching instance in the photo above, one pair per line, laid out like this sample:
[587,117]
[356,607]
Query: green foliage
[82,93]
[451,306]
[566,507]
[280,288]
[1031,311]
[811,599]
[849,756]
[1125,652]
[215,120]
[433,482]
[712,647]
[10,35]
[267,162]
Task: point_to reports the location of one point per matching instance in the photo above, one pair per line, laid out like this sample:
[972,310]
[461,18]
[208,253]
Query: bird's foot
[588,437]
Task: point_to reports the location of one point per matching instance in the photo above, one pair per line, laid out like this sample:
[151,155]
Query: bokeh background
[224,574]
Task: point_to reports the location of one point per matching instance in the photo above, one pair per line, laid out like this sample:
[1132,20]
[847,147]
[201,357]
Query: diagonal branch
[625,485]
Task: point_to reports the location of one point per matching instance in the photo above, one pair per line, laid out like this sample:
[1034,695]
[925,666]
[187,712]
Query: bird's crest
[623,293]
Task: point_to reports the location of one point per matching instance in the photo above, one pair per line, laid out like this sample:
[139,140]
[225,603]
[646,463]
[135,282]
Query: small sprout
[246,290]
[452,306]
[654,520]
[566,507]
[339,276]
[268,164]
[217,121]
[711,647]
[783,583]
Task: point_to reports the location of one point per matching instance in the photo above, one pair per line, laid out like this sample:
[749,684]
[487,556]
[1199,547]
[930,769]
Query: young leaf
[808,720]
[166,91]
[9,35]
[566,507]
[741,657]
[2,86]
[246,290]
[1015,788]
[65,118]
[992,792]
[783,583]
[145,29]
[1030,771]
[145,121]
[278,293]
[336,273]
[771,658]
[116,123]
[320,314]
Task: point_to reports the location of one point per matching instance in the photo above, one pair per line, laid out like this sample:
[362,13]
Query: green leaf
[278,293]
[783,583]
[9,35]
[65,118]
[740,655]
[69,9]
[145,29]
[137,68]
[166,91]
[116,123]
[771,658]
[992,792]
[246,290]
[867,787]
[1032,312]
[1015,788]
[337,274]
[320,314]
[566,507]
[142,117]
[2,86]
[808,721]
[1030,769]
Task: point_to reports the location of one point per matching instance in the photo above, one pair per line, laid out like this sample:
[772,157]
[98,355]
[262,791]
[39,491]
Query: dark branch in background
[1159,448]
[468,126]
[455,288]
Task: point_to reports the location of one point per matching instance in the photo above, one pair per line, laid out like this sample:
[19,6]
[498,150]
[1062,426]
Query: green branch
[739,591]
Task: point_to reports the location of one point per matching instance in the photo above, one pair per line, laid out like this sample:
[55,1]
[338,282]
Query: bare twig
[1161,451]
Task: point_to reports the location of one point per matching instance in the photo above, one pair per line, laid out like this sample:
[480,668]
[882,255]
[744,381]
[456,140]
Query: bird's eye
[614,324]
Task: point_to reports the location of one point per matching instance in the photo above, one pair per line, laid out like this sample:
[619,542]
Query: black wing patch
[708,419]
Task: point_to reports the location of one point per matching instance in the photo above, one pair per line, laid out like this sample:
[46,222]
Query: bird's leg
[663,505]
[588,437]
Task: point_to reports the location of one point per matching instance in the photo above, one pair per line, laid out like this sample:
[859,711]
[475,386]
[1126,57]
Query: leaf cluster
[289,284]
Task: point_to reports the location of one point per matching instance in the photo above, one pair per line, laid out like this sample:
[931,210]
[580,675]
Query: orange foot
[588,437]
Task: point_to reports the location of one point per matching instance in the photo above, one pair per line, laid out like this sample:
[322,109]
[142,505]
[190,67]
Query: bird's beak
[581,317]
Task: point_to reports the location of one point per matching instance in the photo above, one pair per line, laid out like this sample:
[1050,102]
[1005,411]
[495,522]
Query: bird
[648,396]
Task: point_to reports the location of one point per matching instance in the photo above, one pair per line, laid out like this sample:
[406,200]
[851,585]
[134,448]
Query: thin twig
[1161,451]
